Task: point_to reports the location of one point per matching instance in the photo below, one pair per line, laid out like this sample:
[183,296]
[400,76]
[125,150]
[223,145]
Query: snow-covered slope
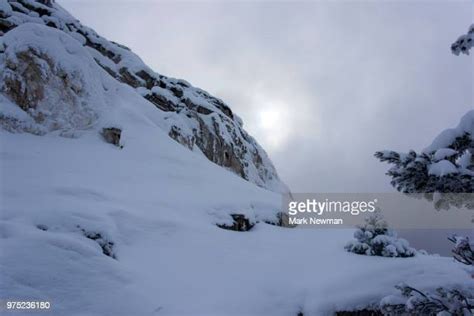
[192,116]
[158,205]
[101,230]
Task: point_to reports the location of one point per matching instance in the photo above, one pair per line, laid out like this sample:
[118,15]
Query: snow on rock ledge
[194,118]
[49,76]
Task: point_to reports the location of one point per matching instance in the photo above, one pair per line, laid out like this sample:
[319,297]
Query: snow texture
[442,168]
[448,136]
[99,230]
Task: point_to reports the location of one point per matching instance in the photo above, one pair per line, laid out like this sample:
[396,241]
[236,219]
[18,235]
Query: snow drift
[101,230]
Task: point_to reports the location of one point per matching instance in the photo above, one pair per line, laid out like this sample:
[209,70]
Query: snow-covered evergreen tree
[443,170]
[447,165]
[446,169]
[375,238]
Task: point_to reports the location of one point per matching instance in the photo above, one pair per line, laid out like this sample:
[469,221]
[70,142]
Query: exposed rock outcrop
[27,77]
[240,223]
[112,135]
[106,245]
[196,119]
[52,86]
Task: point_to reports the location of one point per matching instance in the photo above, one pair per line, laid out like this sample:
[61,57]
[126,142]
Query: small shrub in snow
[374,238]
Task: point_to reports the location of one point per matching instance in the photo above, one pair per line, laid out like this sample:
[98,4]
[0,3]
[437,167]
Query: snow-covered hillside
[156,207]
[192,116]
[98,229]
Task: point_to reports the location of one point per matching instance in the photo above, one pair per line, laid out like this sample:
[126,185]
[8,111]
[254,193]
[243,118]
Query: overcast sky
[320,84]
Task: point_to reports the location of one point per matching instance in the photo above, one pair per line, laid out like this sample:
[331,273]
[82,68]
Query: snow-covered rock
[194,118]
[54,81]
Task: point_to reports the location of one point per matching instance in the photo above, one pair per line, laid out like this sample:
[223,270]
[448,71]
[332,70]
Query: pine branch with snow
[442,302]
[445,169]
[447,164]
[464,42]
[463,249]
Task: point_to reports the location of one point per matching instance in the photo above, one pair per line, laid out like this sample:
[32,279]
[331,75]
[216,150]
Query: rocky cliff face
[194,118]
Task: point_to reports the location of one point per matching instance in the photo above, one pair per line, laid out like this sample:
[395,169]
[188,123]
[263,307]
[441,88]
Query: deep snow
[159,204]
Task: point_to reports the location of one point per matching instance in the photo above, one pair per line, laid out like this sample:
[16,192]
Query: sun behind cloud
[270,118]
[272,124]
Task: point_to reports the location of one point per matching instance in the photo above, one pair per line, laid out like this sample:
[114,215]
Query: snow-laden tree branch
[445,168]
[462,250]
[464,42]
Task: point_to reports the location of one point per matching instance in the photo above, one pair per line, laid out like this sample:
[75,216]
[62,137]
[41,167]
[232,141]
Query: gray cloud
[344,78]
